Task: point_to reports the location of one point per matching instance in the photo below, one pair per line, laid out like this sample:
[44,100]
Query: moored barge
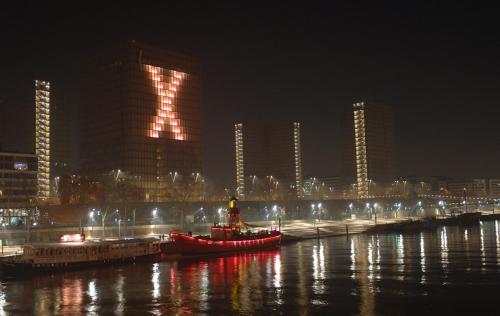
[76,252]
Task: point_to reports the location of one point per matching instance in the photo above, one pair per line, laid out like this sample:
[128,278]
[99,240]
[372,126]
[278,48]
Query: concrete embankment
[297,230]
[466,219]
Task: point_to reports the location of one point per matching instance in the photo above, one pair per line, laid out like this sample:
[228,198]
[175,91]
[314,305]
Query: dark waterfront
[450,270]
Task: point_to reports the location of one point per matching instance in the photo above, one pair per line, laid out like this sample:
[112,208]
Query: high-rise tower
[372,160]
[141,115]
[42,136]
[271,153]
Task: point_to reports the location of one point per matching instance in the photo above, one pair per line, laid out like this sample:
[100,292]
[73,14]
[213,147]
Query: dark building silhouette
[369,150]
[141,115]
[63,135]
[268,150]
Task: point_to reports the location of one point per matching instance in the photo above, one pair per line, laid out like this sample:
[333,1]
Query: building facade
[468,187]
[494,188]
[369,157]
[18,183]
[141,115]
[268,159]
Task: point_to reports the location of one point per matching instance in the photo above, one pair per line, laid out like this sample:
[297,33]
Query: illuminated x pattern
[167,84]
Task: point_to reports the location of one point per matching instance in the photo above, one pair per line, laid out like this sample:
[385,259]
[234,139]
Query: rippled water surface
[449,270]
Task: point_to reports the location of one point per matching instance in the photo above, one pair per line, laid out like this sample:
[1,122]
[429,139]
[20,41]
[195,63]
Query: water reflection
[204,286]
[302,291]
[423,268]
[155,293]
[120,296]
[481,239]
[277,279]
[3,300]
[155,280]
[366,288]
[400,256]
[497,241]
[353,258]
[355,275]
[92,307]
[444,251]
[319,286]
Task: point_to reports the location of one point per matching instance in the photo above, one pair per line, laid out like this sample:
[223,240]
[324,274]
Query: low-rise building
[494,188]
[471,187]
[18,184]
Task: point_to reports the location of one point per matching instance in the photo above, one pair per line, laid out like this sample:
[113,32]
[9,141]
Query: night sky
[438,66]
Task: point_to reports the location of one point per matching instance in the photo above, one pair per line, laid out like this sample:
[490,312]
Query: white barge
[67,254]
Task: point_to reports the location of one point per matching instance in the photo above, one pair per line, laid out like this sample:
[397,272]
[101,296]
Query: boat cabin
[88,251]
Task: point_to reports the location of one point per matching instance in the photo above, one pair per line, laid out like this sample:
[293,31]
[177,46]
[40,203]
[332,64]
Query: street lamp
[119,221]
[154,214]
[91,216]
[220,212]
[320,210]
[173,175]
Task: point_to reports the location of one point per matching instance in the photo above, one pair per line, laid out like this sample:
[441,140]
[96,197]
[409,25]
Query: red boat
[226,238]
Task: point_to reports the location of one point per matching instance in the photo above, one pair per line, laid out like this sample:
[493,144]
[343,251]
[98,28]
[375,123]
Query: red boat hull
[189,245]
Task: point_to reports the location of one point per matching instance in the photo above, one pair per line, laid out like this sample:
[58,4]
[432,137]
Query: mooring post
[346,230]
[317,231]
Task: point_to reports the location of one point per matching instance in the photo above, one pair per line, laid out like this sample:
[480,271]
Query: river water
[450,270]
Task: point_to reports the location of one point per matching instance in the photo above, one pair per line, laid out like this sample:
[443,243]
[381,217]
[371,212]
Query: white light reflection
[497,239]
[302,299]
[277,283]
[120,304]
[319,272]
[444,251]
[92,293]
[400,257]
[370,259]
[377,259]
[483,254]
[422,258]
[353,259]
[155,279]
[204,287]
[277,271]
[269,272]
[3,301]
[466,235]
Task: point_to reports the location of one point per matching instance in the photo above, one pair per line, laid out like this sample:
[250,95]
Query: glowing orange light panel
[167,84]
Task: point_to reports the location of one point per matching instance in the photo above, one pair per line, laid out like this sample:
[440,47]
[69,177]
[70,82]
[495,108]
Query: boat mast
[233,214]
